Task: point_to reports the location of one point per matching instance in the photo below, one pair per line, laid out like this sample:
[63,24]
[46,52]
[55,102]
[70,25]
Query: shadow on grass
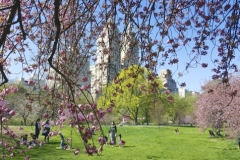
[231,148]
[52,143]
[128,146]
[152,157]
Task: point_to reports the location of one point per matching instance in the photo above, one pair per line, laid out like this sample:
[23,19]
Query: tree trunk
[136,117]
[135,121]
[147,118]
[24,121]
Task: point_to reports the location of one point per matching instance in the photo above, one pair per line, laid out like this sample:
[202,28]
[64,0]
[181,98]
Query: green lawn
[144,143]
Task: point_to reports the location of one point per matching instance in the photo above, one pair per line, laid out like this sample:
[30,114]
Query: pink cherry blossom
[63,118]
[20,128]
[12,155]
[81,118]
[12,113]
[84,88]
[84,79]
[45,87]
[4,119]
[22,151]
[97,91]
[3,104]
[6,91]
[31,83]
[80,106]
[109,110]
[10,148]
[45,115]
[101,140]
[43,123]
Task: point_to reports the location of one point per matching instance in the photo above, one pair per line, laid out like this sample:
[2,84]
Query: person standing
[37,128]
[113,132]
[47,129]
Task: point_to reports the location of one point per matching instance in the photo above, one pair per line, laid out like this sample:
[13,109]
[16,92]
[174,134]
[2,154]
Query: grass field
[143,143]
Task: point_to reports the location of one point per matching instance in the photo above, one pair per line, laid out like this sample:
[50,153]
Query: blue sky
[197,75]
[194,79]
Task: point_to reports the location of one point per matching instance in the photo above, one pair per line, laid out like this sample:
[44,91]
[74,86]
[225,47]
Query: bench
[211,133]
[218,133]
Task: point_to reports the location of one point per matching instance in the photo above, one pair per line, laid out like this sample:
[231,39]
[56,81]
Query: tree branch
[20,20]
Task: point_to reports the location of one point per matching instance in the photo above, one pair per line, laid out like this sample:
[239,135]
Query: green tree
[151,96]
[181,107]
[131,92]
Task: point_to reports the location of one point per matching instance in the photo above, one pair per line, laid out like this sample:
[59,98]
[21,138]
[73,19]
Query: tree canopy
[131,92]
[218,106]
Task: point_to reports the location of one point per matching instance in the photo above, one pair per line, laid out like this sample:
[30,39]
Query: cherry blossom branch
[20,19]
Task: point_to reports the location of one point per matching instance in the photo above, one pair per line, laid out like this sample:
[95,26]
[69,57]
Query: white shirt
[47,125]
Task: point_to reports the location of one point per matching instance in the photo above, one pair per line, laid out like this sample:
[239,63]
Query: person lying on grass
[62,143]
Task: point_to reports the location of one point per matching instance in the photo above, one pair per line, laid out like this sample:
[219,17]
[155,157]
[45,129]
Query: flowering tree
[218,105]
[40,34]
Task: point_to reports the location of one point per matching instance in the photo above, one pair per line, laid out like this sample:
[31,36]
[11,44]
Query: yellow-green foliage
[127,92]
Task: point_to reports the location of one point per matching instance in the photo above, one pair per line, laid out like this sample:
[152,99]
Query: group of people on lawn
[34,137]
[46,130]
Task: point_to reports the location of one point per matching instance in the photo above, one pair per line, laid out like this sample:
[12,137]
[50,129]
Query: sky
[194,79]
[197,76]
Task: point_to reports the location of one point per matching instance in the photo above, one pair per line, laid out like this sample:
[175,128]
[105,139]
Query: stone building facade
[114,52]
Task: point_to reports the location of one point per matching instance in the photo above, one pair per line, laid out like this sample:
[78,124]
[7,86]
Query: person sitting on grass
[24,139]
[62,143]
[34,141]
[33,136]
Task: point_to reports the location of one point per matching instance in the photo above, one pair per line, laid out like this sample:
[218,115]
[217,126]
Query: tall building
[169,83]
[182,92]
[129,48]
[107,64]
[113,54]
